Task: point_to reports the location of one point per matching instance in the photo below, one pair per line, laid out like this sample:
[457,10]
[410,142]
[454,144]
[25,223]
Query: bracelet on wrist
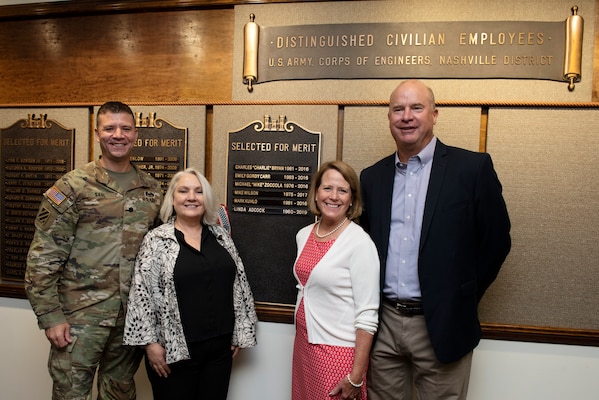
[356,385]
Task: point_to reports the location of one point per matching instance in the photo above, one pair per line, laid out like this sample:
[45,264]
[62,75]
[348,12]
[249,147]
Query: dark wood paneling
[166,56]
[95,7]
[596,55]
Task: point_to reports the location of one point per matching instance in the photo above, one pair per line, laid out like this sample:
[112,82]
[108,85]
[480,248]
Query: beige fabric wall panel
[414,11]
[547,161]
[367,138]
[227,119]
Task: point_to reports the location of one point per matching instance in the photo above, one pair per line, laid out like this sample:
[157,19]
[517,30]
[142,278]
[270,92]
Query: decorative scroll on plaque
[35,152]
[461,49]
[270,166]
[161,148]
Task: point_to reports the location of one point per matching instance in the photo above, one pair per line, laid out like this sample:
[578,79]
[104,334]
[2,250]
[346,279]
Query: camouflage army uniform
[79,268]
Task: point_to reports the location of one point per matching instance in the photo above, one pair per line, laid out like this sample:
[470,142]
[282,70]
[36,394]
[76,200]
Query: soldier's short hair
[114,107]
[209,200]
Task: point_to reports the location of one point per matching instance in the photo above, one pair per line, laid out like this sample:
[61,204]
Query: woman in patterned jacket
[190,305]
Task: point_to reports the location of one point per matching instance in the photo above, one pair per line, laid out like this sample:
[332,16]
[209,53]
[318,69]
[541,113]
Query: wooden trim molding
[13,290]
[341,103]
[283,313]
[275,312]
[98,7]
[541,334]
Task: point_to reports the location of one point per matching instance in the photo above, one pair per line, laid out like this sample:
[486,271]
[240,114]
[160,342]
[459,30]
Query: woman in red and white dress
[337,269]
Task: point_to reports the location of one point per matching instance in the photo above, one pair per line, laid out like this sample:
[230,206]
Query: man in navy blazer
[438,218]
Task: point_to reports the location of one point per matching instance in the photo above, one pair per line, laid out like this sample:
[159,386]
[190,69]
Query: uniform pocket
[60,368]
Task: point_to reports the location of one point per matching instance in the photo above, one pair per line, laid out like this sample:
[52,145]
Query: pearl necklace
[331,232]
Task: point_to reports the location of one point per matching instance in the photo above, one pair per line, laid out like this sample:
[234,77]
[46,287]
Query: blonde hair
[210,206]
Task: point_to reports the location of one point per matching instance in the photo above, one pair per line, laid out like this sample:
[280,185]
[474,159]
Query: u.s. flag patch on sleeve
[55,195]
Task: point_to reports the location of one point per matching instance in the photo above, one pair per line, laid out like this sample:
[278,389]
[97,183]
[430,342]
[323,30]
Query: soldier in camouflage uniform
[88,231]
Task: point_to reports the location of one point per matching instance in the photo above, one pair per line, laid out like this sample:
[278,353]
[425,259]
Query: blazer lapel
[383,204]
[434,188]
[386,199]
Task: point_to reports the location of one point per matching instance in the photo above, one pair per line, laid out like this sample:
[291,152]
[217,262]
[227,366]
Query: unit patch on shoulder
[43,216]
[55,195]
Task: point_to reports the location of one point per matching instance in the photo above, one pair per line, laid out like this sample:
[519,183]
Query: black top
[204,285]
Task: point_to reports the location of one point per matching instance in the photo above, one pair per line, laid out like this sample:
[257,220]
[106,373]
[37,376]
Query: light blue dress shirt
[409,195]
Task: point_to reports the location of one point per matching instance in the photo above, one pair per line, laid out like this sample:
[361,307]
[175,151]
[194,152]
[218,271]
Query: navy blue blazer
[464,241]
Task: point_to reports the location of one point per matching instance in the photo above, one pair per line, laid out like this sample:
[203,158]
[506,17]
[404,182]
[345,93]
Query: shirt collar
[425,156]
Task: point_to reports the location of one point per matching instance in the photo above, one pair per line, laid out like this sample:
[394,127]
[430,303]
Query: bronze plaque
[453,49]
[161,149]
[270,166]
[34,153]
[497,49]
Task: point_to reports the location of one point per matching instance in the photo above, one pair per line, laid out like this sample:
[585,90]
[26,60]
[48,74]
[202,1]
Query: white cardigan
[342,292]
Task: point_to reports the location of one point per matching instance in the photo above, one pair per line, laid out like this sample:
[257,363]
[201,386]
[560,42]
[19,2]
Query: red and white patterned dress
[317,368]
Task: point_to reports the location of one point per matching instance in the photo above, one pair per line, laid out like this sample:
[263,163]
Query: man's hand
[60,335]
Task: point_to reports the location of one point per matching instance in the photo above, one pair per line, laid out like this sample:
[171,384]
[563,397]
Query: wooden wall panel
[166,57]
[596,55]
[180,52]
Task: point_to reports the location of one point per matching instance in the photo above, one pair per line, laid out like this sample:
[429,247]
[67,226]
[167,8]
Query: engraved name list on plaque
[34,153]
[270,166]
[161,148]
